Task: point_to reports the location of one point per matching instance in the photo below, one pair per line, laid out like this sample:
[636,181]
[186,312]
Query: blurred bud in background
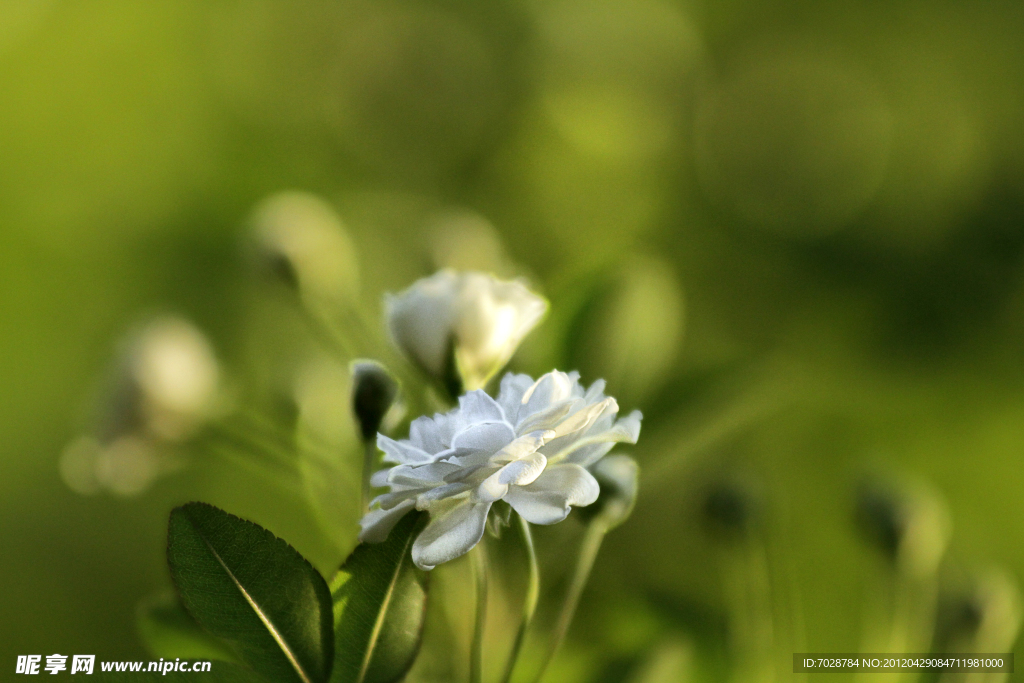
[175,373]
[729,509]
[164,386]
[374,392]
[981,615]
[470,319]
[302,240]
[909,524]
[631,329]
[618,475]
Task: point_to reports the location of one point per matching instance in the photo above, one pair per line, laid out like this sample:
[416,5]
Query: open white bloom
[484,319]
[530,448]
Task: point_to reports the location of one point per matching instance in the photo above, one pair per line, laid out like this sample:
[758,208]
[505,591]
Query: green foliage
[170,632]
[245,585]
[380,600]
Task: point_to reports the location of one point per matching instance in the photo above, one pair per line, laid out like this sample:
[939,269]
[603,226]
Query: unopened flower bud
[469,322]
[374,391]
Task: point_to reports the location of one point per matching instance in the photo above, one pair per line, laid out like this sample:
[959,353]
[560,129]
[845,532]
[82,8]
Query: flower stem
[588,553]
[476,651]
[529,602]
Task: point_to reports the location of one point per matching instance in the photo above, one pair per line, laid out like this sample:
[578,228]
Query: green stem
[529,602]
[476,652]
[585,562]
[326,332]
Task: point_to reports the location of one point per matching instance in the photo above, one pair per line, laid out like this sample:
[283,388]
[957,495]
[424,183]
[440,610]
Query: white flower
[483,318]
[530,448]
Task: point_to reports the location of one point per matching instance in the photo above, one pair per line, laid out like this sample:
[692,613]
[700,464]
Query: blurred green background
[791,233]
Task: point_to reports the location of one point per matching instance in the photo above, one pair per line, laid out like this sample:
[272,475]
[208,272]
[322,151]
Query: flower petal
[524,471]
[548,499]
[418,476]
[549,389]
[522,447]
[401,452]
[432,434]
[490,437]
[420,320]
[379,479]
[477,406]
[582,419]
[510,395]
[586,452]
[450,534]
[626,430]
[391,500]
[440,493]
[377,524]
[596,391]
[548,418]
[491,489]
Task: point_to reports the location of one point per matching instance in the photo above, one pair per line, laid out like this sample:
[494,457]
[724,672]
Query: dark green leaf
[169,631]
[245,585]
[380,599]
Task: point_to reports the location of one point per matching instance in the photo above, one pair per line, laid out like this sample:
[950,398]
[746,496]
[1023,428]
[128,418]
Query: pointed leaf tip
[244,585]
[380,600]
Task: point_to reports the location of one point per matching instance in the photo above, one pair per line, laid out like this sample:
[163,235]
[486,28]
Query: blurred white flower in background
[477,317]
[165,386]
[530,447]
[176,374]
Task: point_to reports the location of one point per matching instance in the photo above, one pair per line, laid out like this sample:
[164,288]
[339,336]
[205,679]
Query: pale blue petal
[451,534]
[377,524]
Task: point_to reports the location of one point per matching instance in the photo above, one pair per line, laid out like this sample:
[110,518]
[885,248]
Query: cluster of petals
[530,447]
[475,316]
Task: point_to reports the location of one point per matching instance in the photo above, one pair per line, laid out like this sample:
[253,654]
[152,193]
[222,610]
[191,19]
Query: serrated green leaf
[380,600]
[169,631]
[245,585]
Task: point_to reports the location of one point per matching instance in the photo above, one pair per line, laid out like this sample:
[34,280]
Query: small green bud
[374,391]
